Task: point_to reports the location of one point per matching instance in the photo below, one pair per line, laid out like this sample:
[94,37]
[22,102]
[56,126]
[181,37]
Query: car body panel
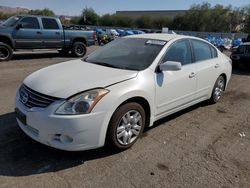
[165,92]
[24,38]
[167,95]
[58,80]
[241,56]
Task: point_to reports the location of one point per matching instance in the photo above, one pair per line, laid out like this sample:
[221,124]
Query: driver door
[176,89]
[29,35]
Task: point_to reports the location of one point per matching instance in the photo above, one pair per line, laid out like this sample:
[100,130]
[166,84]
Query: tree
[159,23]
[75,20]
[107,20]
[205,18]
[236,20]
[247,19]
[43,12]
[178,23]
[122,21]
[144,22]
[4,16]
[89,17]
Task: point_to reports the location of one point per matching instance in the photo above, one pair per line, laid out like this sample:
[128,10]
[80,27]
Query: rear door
[208,67]
[29,35]
[53,36]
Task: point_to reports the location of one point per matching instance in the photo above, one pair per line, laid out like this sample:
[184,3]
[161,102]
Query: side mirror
[18,26]
[170,66]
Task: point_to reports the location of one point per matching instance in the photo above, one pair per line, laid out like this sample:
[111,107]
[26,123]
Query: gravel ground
[202,146]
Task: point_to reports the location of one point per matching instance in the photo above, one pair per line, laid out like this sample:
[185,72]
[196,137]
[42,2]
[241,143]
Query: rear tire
[218,90]
[126,126]
[6,52]
[79,49]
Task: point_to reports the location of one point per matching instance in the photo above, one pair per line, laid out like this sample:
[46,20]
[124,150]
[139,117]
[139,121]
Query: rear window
[50,23]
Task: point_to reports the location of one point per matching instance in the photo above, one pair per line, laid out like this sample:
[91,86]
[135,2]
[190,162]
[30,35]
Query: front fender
[7,37]
[121,92]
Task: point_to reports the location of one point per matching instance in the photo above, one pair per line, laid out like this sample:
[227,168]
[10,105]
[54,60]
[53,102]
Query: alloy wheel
[129,127]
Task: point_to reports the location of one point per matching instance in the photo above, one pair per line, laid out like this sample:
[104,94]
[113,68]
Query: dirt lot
[203,146]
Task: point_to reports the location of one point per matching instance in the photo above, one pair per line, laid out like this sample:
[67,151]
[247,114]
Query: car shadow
[21,156]
[40,55]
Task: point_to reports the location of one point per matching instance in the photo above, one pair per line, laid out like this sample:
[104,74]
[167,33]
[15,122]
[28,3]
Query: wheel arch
[225,77]
[136,99]
[144,103]
[79,39]
[6,40]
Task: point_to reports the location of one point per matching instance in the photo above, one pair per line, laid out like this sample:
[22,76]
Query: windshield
[127,53]
[11,21]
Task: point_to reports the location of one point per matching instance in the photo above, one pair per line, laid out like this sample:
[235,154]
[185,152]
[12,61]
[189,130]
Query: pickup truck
[42,32]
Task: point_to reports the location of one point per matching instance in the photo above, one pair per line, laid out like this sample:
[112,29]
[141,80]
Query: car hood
[66,79]
[4,29]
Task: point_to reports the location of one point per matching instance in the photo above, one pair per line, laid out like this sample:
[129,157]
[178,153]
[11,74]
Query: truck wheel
[6,52]
[79,49]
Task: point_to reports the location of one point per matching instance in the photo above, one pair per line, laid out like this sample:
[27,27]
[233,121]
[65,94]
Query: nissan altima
[110,96]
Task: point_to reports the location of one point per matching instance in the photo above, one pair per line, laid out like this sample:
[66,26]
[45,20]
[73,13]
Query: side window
[202,50]
[180,52]
[214,52]
[30,23]
[49,23]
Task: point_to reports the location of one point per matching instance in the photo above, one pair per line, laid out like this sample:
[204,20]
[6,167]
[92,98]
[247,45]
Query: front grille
[31,98]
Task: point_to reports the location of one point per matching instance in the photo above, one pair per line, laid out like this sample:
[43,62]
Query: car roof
[156,36]
[37,16]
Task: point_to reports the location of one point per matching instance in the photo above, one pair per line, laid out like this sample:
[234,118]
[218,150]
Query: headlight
[82,103]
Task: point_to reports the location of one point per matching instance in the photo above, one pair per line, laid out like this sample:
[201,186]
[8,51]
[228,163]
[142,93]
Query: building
[151,13]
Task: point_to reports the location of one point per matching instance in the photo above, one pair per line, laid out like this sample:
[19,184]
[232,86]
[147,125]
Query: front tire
[6,52]
[79,49]
[218,90]
[126,126]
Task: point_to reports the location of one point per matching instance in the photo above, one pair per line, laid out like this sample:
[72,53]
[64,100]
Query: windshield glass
[11,21]
[127,53]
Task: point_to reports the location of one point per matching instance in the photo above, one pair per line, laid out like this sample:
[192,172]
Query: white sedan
[118,90]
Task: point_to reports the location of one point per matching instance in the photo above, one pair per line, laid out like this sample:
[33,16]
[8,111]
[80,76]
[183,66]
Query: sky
[74,7]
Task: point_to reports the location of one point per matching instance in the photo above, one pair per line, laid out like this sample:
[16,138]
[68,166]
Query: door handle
[39,32]
[217,66]
[57,33]
[191,75]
